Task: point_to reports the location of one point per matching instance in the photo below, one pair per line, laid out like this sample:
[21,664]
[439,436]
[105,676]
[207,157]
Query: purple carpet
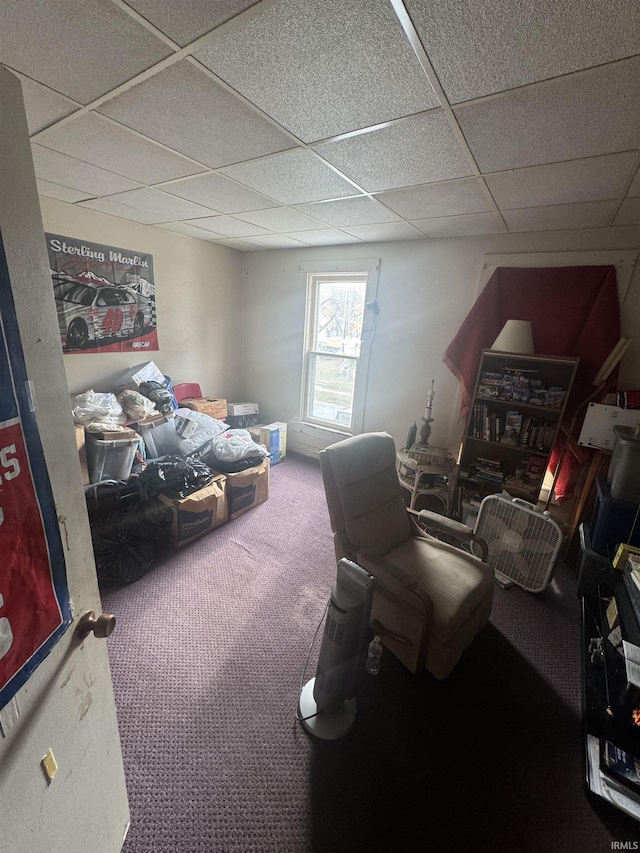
[207,659]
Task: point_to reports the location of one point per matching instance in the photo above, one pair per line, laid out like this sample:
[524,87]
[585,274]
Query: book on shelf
[512,428]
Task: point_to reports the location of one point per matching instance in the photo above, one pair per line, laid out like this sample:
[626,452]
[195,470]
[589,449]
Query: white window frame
[311,272]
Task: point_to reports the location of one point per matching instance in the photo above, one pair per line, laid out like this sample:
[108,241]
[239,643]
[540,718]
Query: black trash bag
[233,467]
[109,497]
[125,546]
[175,476]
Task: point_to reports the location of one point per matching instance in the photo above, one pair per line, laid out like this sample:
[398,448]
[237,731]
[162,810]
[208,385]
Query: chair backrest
[186,389]
[363,493]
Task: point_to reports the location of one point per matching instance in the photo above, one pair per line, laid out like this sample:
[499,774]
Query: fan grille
[523,544]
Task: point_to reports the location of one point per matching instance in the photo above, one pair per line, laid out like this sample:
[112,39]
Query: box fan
[523,543]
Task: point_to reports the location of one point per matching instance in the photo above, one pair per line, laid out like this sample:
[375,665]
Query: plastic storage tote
[110,460]
[624,468]
[160,437]
[591,564]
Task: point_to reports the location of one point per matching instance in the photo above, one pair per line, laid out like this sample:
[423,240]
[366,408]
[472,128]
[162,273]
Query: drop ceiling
[291,123]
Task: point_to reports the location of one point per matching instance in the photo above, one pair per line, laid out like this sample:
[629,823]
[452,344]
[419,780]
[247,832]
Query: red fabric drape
[573,311]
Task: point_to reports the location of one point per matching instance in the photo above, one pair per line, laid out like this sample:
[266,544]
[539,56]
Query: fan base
[325,725]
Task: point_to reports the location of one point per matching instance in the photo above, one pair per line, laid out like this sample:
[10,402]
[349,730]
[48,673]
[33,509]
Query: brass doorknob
[102,626]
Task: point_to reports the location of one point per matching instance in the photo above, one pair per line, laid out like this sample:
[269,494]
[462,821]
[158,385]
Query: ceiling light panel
[292,178]
[417,150]
[184,23]
[185,109]
[590,214]
[81,48]
[481,48]
[438,199]
[68,172]
[102,142]
[562,183]
[321,69]
[219,193]
[42,105]
[585,114]
[360,210]
[467,225]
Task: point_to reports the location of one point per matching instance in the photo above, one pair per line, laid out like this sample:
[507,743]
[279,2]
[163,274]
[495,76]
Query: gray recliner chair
[430,598]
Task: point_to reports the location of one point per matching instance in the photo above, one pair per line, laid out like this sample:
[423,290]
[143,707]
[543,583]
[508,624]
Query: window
[338,335]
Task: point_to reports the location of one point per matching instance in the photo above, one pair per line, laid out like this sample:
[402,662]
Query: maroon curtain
[573,311]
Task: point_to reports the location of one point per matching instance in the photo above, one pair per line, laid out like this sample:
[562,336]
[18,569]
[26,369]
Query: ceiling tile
[61,193]
[324,237]
[292,178]
[385,231]
[68,172]
[219,193]
[634,189]
[42,105]
[629,213]
[480,48]
[170,207]
[360,210]
[97,140]
[184,24]
[81,48]
[588,214]
[188,230]
[466,225]
[348,58]
[280,219]
[228,226]
[592,112]
[417,150]
[241,245]
[106,205]
[562,183]
[437,199]
[185,109]
[276,241]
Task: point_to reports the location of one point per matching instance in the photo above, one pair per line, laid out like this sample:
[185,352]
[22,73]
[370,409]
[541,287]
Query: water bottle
[373,658]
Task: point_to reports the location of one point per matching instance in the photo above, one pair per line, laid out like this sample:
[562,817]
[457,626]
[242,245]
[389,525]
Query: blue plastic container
[613,522]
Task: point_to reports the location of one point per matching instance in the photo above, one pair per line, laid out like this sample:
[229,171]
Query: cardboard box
[243,409]
[82,453]
[135,376]
[247,489]
[215,407]
[198,513]
[274,438]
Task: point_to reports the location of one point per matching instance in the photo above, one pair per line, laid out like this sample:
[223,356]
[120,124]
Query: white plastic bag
[236,444]
[92,406]
[135,404]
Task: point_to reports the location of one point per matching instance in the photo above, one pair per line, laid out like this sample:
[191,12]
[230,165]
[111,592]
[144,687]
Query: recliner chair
[430,598]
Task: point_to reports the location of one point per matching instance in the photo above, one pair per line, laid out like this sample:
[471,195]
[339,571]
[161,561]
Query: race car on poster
[91,312]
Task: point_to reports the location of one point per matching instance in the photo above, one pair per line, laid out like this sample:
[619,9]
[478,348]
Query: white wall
[198,300]
[425,290]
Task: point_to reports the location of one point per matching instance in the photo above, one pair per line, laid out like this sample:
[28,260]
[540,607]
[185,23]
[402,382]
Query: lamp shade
[516,336]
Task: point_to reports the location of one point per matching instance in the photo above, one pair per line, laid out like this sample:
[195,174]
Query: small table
[415,474]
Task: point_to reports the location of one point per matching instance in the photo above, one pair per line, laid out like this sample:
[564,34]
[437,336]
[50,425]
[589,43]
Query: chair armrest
[397,580]
[451,527]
